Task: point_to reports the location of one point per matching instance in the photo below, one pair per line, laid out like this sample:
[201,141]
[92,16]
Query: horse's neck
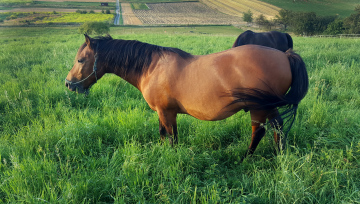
[130,77]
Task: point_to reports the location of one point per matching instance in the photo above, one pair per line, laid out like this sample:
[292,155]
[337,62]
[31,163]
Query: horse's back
[256,63]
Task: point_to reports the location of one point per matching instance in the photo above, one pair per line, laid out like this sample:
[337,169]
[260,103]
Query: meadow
[57,146]
[339,8]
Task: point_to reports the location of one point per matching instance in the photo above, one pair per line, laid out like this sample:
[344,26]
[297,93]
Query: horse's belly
[211,110]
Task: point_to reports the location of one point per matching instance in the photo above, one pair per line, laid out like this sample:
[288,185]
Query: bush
[11,17]
[97,27]
[81,12]
[107,11]
[92,11]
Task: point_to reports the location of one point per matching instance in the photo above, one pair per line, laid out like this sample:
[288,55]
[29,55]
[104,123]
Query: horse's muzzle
[75,87]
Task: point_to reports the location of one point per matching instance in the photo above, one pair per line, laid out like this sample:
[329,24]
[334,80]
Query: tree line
[308,23]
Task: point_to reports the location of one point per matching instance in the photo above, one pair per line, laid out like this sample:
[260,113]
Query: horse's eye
[81,61]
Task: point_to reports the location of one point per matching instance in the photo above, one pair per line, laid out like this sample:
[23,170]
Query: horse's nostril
[67,84]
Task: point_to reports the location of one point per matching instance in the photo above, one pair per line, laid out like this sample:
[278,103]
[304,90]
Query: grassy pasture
[61,147]
[320,7]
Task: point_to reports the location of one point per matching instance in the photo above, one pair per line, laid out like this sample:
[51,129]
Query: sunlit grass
[60,147]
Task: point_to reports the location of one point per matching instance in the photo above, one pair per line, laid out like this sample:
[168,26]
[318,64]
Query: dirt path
[128,16]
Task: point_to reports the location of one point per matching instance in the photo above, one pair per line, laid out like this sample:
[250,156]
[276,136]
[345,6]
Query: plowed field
[238,7]
[183,14]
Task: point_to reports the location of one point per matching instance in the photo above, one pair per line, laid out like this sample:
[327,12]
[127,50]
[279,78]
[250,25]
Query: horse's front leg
[167,125]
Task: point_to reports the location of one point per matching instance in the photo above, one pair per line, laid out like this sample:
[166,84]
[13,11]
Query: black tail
[256,99]
[290,41]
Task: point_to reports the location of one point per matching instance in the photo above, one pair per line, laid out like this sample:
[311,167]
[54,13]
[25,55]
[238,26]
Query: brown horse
[274,39]
[209,87]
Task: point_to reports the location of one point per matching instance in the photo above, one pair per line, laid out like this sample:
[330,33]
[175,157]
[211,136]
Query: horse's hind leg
[167,125]
[162,131]
[258,118]
[277,123]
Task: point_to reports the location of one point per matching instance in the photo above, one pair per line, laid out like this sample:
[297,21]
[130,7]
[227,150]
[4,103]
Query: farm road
[117,11]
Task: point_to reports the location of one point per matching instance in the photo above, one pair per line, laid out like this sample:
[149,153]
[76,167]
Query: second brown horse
[209,87]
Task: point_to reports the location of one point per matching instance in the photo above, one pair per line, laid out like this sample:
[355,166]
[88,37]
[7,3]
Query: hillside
[343,8]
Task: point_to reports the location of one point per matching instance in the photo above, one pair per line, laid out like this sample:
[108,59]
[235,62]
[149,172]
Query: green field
[57,146]
[320,7]
[53,17]
[70,4]
[79,18]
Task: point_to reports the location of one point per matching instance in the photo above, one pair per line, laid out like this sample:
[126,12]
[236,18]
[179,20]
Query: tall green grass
[60,147]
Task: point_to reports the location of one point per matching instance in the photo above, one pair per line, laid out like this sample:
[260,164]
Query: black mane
[130,56]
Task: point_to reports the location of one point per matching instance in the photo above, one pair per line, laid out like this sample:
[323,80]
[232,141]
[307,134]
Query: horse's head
[84,72]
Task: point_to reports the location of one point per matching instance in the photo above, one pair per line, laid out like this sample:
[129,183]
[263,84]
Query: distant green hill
[343,8]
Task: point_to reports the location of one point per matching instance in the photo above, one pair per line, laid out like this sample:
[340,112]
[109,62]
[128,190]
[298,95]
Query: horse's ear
[88,41]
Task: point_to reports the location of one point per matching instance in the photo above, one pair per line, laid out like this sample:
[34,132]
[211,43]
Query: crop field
[80,18]
[57,146]
[35,17]
[238,7]
[184,13]
[97,1]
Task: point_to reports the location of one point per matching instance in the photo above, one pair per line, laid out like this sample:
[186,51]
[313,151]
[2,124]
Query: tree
[284,17]
[248,16]
[304,23]
[322,22]
[262,21]
[97,27]
[352,23]
[335,27]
